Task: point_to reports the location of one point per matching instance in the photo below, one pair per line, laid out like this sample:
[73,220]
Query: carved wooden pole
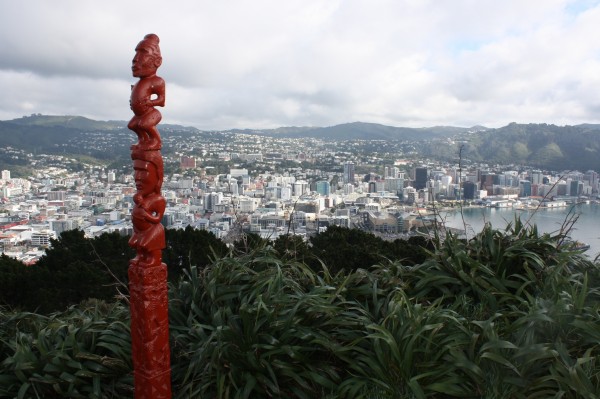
[147,273]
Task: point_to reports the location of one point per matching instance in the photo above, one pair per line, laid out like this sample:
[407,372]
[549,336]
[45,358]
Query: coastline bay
[585,230]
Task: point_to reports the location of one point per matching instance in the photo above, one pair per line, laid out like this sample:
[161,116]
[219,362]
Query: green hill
[68,121]
[367,131]
[542,145]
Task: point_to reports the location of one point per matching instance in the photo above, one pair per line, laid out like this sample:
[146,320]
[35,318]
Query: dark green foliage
[84,352]
[76,268]
[415,250]
[346,249]
[290,247]
[18,282]
[249,242]
[507,314]
[72,270]
[341,248]
[255,326]
[190,247]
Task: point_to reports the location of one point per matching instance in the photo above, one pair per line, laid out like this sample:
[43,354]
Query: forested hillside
[545,146]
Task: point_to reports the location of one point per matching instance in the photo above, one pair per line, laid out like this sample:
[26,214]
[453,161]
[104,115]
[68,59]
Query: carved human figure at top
[147,93]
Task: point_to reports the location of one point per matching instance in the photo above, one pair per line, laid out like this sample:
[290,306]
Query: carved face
[145,176]
[144,63]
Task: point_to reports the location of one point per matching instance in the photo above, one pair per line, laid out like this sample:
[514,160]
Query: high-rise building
[537,177]
[6,175]
[420,178]
[592,178]
[525,188]
[300,187]
[211,200]
[394,184]
[576,188]
[349,173]
[488,181]
[469,190]
[323,188]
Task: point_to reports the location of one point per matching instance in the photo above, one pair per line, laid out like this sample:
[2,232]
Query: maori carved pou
[147,273]
[147,93]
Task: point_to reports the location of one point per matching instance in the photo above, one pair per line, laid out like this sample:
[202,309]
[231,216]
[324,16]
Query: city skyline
[267,64]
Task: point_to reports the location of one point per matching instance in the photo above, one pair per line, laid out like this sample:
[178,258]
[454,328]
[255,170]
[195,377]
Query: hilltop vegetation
[508,314]
[75,268]
[545,146]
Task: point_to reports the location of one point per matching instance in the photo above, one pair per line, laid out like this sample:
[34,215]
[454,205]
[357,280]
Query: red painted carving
[147,93]
[147,274]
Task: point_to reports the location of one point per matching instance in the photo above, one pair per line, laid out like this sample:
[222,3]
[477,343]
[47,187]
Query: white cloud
[269,63]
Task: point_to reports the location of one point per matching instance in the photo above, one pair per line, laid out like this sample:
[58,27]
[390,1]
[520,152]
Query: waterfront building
[525,188]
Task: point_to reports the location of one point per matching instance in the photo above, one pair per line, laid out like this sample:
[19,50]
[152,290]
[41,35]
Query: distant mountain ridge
[366,131]
[541,145]
[68,121]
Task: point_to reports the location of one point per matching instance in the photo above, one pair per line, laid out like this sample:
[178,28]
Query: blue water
[586,229]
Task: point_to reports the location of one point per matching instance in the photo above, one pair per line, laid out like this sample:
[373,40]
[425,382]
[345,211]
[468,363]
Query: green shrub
[84,352]
[508,314]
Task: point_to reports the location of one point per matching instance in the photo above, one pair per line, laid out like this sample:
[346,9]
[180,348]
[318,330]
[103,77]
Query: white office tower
[247,205]
[446,180]
[348,188]
[394,184]
[537,177]
[6,175]
[233,187]
[300,188]
[238,172]
[111,177]
[286,193]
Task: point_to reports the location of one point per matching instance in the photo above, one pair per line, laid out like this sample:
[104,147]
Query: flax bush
[507,314]
[83,352]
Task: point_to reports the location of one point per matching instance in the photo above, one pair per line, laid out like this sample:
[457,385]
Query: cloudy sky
[269,63]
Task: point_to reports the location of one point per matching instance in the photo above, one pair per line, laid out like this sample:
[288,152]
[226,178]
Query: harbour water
[586,229]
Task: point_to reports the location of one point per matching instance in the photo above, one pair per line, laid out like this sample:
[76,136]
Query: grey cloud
[306,62]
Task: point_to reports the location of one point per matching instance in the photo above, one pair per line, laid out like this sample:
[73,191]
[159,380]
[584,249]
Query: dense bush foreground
[506,315]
